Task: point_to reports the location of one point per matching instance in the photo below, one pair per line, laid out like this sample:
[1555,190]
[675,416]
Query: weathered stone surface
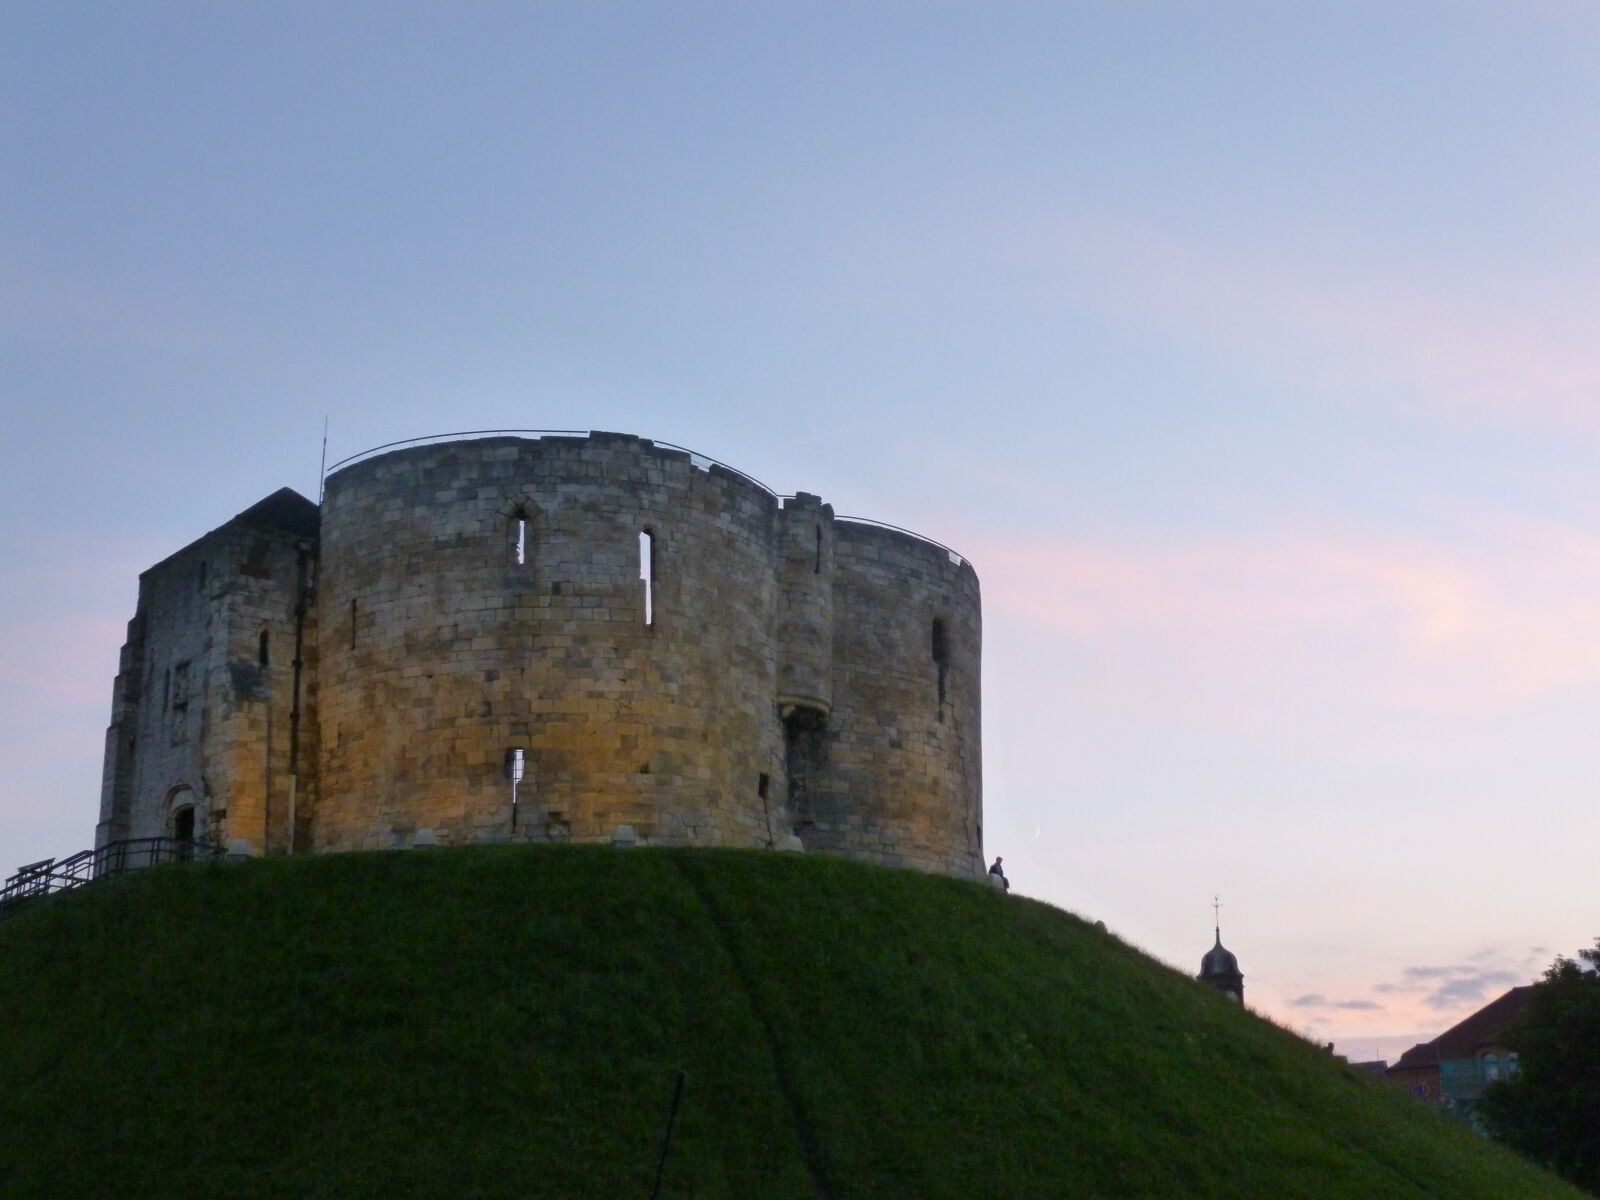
[783,673]
[211,731]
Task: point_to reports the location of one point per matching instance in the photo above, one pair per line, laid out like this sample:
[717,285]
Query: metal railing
[441,437]
[955,555]
[52,875]
[701,461]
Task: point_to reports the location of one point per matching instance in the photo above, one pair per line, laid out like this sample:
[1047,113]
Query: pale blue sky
[1248,350]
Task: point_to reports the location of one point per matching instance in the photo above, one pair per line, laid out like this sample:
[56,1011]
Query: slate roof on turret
[1219,960]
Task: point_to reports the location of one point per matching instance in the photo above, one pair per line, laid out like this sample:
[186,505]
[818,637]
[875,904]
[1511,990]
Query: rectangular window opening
[816,566]
[352,624]
[647,574]
[262,656]
[521,533]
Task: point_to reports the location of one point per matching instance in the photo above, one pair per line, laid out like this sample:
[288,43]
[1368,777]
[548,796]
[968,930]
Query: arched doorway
[181,821]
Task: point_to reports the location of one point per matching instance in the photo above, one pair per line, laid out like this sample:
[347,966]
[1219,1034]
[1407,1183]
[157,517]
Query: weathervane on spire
[1216,914]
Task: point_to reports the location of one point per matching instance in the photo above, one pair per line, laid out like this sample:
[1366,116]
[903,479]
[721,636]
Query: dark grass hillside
[509,1021]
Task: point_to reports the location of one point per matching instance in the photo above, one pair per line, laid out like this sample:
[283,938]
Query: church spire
[1219,968]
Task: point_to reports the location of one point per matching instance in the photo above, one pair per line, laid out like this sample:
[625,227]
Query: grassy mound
[510,1021]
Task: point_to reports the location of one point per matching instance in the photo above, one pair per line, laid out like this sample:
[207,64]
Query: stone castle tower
[671,646]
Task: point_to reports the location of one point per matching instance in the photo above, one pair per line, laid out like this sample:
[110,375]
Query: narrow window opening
[647,573]
[816,565]
[352,624]
[519,538]
[766,808]
[941,656]
[262,655]
[200,585]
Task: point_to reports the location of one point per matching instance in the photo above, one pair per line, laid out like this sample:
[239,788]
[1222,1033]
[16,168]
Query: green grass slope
[510,1021]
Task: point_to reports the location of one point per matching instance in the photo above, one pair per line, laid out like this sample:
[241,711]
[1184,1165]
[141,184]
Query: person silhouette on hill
[996,870]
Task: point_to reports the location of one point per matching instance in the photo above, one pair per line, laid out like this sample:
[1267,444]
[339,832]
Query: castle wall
[260,732]
[165,690]
[897,767]
[204,709]
[439,651]
[805,604]
[671,647]
[122,739]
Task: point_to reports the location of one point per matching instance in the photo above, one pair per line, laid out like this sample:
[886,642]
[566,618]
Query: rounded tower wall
[900,776]
[440,650]
[805,604]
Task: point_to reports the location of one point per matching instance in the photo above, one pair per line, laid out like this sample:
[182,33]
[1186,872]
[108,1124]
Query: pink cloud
[1394,1013]
[1240,629]
[64,617]
[1502,341]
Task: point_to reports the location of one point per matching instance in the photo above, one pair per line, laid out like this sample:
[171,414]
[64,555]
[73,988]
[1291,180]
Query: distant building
[1452,1070]
[1220,969]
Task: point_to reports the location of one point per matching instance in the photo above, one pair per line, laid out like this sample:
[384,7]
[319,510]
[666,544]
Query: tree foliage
[1551,1110]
